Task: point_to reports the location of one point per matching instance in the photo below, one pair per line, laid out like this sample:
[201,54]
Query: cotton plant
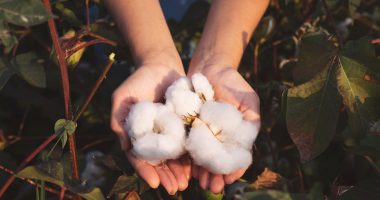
[218,138]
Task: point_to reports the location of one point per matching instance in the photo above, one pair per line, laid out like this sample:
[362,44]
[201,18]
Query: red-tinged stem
[26,161]
[86,44]
[66,88]
[62,193]
[256,60]
[94,35]
[49,189]
[88,21]
[375,41]
[94,88]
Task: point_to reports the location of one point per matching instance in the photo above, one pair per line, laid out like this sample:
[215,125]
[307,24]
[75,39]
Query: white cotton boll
[231,159]
[156,148]
[246,134]
[201,144]
[222,115]
[140,119]
[182,83]
[170,124]
[216,156]
[202,86]
[157,137]
[183,102]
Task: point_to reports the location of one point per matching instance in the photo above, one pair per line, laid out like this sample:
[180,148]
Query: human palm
[149,82]
[230,87]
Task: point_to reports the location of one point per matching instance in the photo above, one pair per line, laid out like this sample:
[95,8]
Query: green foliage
[313,107]
[24,12]
[64,128]
[5,72]
[318,82]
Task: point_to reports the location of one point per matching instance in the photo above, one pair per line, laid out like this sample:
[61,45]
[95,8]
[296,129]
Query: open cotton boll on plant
[220,140]
[157,134]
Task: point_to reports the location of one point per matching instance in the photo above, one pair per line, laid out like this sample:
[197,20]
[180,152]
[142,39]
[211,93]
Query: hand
[229,87]
[149,82]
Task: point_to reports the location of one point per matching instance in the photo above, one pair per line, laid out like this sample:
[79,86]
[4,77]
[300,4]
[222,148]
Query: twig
[22,123]
[375,41]
[86,44]
[256,59]
[62,193]
[66,89]
[88,20]
[24,34]
[373,164]
[49,189]
[94,35]
[89,97]
[26,161]
[85,147]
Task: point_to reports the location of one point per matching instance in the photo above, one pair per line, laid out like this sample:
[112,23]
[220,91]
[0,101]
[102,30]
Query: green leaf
[315,53]
[273,195]
[63,126]
[208,195]
[68,15]
[312,113]
[369,146]
[64,140]
[6,38]
[357,83]
[30,69]
[5,72]
[94,194]
[32,172]
[124,184]
[352,6]
[366,189]
[24,12]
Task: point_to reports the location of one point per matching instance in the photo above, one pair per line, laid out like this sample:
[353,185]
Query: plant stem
[49,189]
[86,44]
[95,87]
[26,161]
[66,89]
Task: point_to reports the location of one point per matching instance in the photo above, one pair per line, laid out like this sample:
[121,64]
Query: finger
[250,107]
[230,178]
[167,179]
[186,163]
[195,171]
[146,171]
[216,183]
[177,169]
[204,178]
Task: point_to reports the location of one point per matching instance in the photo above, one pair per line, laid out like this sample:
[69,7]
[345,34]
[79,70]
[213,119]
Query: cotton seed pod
[157,134]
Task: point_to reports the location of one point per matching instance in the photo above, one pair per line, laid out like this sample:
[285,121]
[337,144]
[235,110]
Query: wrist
[205,60]
[160,57]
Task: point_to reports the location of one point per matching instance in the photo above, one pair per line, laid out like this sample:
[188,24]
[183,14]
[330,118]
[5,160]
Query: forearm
[143,26]
[228,29]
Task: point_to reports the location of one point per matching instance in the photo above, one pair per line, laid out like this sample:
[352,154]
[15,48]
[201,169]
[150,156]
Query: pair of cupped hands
[149,82]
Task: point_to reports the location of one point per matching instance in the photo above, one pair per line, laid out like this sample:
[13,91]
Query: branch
[66,89]
[26,161]
[49,189]
[89,97]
